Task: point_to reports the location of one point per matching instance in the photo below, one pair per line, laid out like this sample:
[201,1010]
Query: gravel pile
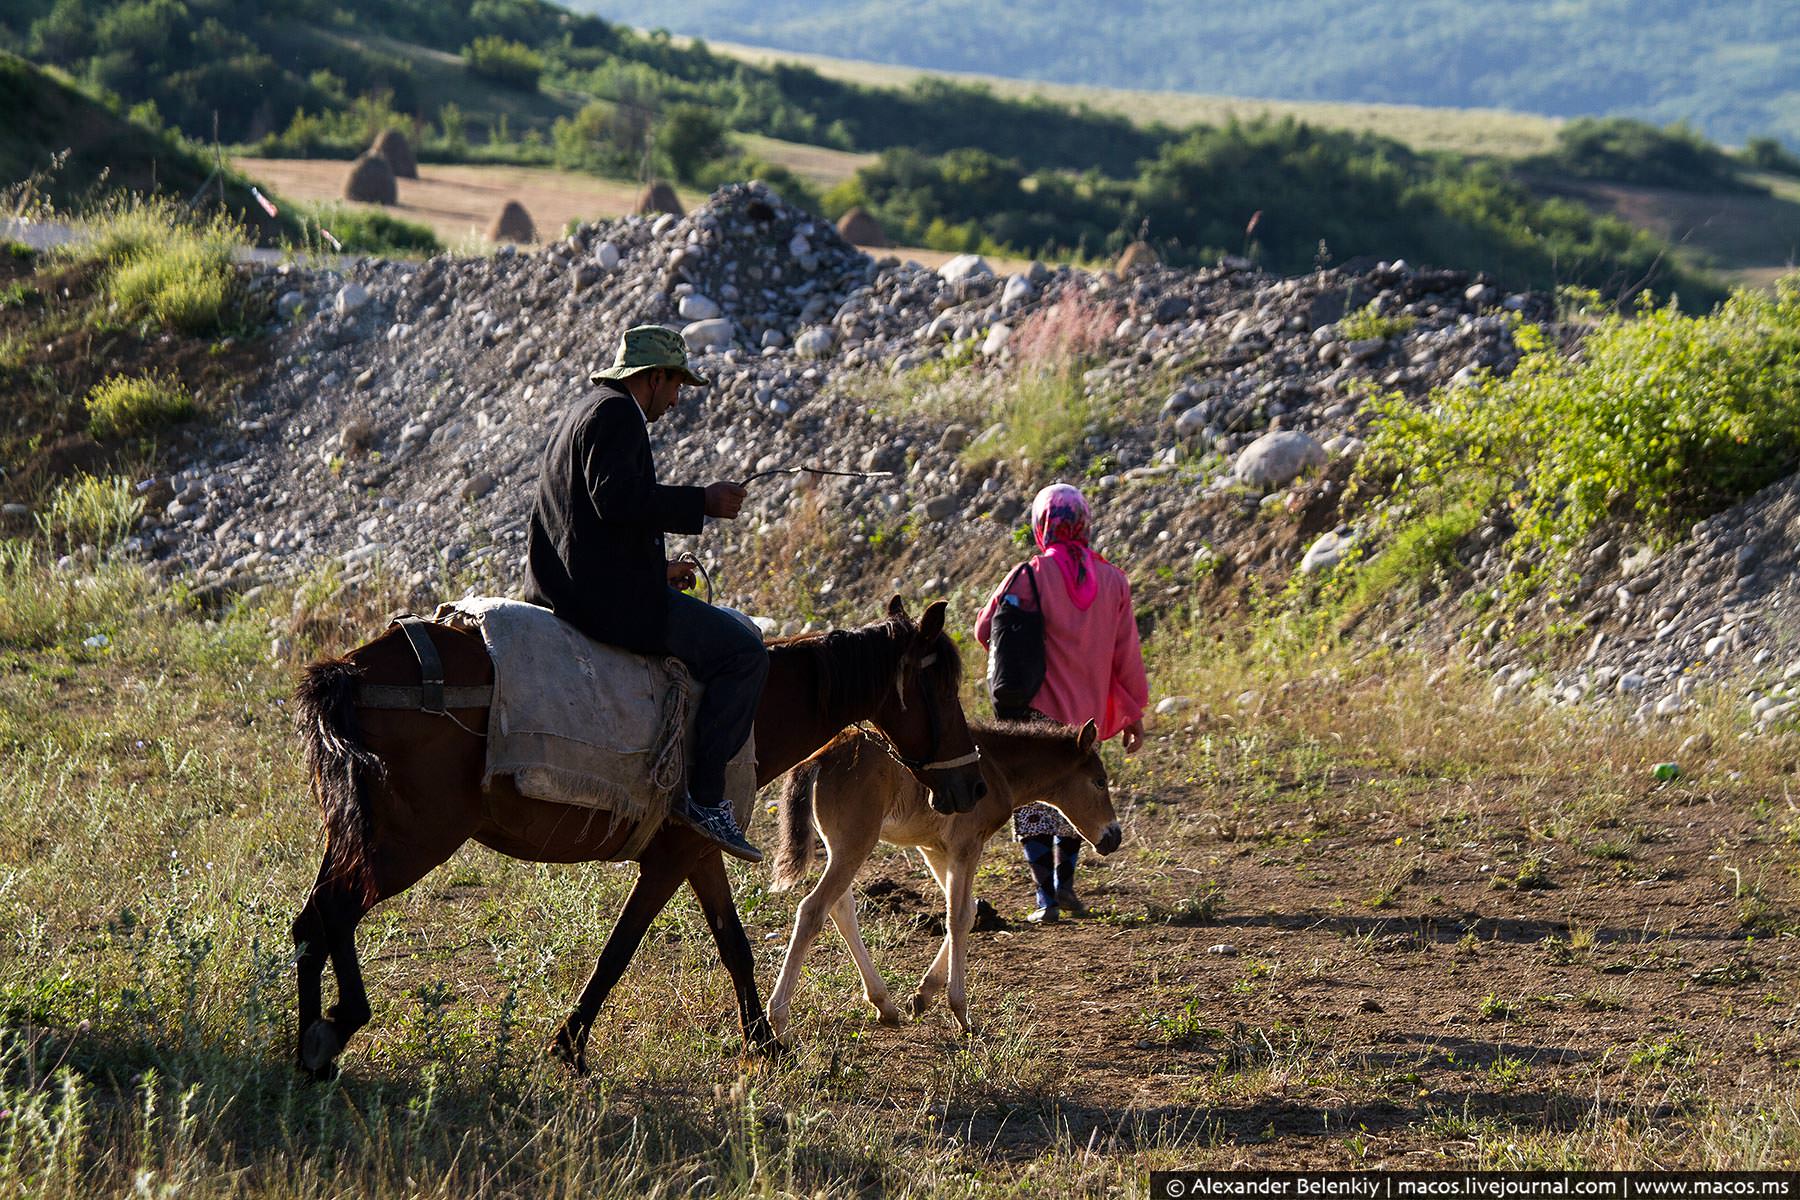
[401,425]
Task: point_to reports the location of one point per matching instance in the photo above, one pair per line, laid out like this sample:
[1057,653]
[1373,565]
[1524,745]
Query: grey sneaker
[718,824]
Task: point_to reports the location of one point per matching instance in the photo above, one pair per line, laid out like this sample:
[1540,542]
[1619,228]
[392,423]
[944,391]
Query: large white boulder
[695,307]
[1275,460]
[963,266]
[815,342]
[702,336]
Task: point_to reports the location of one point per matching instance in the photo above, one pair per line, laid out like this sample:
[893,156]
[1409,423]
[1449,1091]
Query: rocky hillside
[400,427]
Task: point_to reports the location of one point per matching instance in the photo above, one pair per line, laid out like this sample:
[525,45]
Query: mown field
[459,201]
[1460,934]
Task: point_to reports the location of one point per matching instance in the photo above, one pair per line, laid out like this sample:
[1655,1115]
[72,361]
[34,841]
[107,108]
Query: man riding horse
[596,558]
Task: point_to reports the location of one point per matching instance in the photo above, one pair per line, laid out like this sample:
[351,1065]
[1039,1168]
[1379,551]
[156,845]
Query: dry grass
[1462,131]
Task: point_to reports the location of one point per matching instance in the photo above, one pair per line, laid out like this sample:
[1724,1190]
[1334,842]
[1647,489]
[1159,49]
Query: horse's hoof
[319,1048]
[565,1049]
[918,1005]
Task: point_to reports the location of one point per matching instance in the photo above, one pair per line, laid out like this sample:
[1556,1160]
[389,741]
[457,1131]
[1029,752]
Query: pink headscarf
[1059,521]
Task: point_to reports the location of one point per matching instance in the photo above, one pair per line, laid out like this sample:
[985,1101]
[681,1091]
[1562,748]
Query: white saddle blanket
[575,721]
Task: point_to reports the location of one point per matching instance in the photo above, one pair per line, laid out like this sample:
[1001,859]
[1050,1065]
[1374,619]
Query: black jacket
[596,553]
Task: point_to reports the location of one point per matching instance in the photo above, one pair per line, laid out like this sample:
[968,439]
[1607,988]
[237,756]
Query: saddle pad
[575,721]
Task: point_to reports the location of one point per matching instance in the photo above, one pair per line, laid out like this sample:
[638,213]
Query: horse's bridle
[930,762]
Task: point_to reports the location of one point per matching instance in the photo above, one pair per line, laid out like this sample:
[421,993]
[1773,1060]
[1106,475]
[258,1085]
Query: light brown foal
[857,796]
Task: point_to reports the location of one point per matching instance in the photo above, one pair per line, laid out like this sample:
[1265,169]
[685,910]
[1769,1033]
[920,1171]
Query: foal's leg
[955,873]
[847,854]
[666,862]
[712,887]
[875,988]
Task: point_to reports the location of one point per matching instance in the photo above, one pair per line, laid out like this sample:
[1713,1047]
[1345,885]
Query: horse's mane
[856,666]
[1047,733]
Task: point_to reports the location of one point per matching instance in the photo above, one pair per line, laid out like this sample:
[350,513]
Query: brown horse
[857,797]
[401,791]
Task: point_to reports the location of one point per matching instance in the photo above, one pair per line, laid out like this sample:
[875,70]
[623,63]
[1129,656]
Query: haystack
[859,228]
[659,197]
[371,181]
[393,146]
[1135,257]
[512,225]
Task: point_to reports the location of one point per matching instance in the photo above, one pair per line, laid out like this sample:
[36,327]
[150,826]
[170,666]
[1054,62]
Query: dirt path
[1393,995]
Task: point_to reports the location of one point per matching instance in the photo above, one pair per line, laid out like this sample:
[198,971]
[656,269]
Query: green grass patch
[163,266]
[128,406]
[361,231]
[1368,322]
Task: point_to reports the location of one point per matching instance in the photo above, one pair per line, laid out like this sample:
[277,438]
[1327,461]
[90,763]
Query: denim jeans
[728,660]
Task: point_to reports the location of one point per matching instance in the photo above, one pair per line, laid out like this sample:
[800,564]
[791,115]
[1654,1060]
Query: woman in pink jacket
[1093,669]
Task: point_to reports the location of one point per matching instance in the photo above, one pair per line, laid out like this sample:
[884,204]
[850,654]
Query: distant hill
[1732,70]
[79,150]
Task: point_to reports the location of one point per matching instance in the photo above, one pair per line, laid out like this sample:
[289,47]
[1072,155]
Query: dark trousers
[727,658]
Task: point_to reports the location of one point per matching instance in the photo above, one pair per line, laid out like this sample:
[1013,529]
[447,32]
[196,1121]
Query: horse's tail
[342,769]
[794,851]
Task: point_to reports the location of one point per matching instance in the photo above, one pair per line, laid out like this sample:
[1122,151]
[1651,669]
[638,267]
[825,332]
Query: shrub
[1074,327]
[512,64]
[1619,148]
[1767,154]
[1662,419]
[124,406]
[89,510]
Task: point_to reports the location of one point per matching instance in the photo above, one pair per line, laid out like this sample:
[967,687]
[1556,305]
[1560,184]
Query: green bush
[130,406]
[505,62]
[690,136]
[1628,151]
[1767,154]
[1662,419]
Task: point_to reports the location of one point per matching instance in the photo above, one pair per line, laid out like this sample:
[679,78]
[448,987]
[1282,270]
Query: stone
[1170,309]
[356,435]
[291,305]
[939,508]
[695,307]
[1018,290]
[995,342]
[479,485]
[1275,460]
[816,342]
[351,298]
[1173,704]
[772,339]
[1327,551]
[15,511]
[1191,424]
[607,255]
[1223,949]
[964,266]
[711,335]
[956,436]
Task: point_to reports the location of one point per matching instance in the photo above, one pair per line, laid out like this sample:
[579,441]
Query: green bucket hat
[646,347]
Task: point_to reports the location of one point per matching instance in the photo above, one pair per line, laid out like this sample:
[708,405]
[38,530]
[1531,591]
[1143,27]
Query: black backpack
[1016,650]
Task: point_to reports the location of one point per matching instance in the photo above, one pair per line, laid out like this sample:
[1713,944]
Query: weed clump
[163,266]
[128,406]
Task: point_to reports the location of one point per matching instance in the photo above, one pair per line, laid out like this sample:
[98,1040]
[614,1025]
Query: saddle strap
[431,667]
[386,695]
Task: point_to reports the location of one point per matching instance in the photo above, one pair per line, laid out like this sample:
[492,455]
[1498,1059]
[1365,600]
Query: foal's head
[1078,789]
